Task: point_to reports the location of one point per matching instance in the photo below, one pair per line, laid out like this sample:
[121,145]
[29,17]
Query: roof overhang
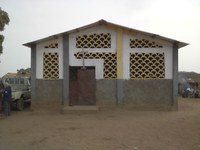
[103,22]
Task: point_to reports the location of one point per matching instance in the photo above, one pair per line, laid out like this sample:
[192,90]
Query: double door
[82,86]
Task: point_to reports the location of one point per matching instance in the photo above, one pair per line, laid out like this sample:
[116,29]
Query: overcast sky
[35,19]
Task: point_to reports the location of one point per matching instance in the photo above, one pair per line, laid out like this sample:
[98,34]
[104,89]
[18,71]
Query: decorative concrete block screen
[147,65]
[143,43]
[50,65]
[110,62]
[102,40]
[52,45]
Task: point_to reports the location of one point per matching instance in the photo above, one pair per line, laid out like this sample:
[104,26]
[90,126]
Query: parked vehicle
[21,91]
[189,89]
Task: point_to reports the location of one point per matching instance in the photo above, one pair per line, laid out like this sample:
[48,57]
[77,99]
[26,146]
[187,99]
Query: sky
[35,19]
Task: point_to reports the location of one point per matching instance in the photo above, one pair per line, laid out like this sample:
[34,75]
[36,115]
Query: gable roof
[104,22]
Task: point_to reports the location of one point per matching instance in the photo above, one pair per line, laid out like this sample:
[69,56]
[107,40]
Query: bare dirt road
[115,129]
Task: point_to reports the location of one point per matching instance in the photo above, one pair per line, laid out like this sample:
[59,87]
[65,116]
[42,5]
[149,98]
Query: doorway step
[81,109]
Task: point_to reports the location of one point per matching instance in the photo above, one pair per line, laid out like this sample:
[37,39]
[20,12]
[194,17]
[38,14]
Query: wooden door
[82,86]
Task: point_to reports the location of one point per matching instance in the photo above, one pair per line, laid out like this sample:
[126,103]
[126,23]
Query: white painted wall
[98,63]
[39,56]
[167,50]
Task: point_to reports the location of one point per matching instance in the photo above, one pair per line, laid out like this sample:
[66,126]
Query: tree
[26,72]
[4,20]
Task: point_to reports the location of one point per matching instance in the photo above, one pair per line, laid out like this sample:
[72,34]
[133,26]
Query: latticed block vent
[50,65]
[110,62]
[102,40]
[52,45]
[147,65]
[142,43]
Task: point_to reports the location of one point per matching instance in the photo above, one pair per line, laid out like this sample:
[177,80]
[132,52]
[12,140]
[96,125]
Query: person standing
[7,97]
[1,96]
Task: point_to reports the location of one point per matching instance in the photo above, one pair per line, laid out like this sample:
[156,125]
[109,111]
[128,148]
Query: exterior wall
[148,93]
[120,89]
[33,71]
[120,44]
[175,74]
[48,95]
[166,49]
[65,69]
[40,49]
[136,94]
[98,63]
[106,92]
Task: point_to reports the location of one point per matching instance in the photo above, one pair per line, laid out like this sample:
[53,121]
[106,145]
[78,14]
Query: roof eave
[102,22]
[29,44]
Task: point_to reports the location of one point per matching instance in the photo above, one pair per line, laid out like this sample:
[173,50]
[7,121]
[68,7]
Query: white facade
[99,63]
[167,50]
[40,49]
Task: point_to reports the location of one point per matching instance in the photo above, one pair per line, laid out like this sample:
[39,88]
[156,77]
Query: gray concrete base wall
[48,95]
[135,94]
[152,93]
[106,92]
[139,94]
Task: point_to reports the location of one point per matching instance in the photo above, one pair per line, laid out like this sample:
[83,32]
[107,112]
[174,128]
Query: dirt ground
[116,129]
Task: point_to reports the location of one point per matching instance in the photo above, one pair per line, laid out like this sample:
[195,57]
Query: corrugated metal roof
[104,22]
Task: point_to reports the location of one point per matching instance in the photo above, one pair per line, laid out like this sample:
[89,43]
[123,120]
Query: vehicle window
[21,81]
[16,80]
[11,81]
[7,80]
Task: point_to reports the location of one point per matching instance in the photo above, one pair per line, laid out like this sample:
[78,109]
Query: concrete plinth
[82,109]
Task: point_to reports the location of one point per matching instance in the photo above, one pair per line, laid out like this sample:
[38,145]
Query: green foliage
[1,41]
[26,72]
[4,20]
